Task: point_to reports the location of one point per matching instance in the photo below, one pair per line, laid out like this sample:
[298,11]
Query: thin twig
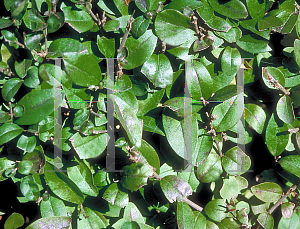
[159,7]
[192,204]
[93,16]
[219,149]
[279,202]
[94,113]
[11,111]
[128,28]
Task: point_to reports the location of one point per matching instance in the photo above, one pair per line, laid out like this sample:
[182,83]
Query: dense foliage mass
[130,114]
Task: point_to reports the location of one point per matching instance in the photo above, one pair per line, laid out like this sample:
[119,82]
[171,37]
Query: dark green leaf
[10,88]
[62,186]
[172,27]
[291,164]
[253,45]
[29,188]
[9,131]
[5,22]
[233,9]
[114,195]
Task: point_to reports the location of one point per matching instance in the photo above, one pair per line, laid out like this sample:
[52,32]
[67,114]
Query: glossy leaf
[62,186]
[86,74]
[158,70]
[53,207]
[198,80]
[93,220]
[291,164]
[135,176]
[80,20]
[21,68]
[29,188]
[140,26]
[106,46]
[9,131]
[256,8]
[129,120]
[216,210]
[255,116]
[51,222]
[89,146]
[24,167]
[276,137]
[82,177]
[285,110]
[207,14]
[235,161]
[10,88]
[267,192]
[114,195]
[253,45]
[227,113]
[210,169]
[271,73]
[230,61]
[66,46]
[5,22]
[234,9]
[172,27]
[38,105]
[140,50]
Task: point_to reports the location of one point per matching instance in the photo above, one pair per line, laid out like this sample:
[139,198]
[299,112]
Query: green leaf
[4,116]
[183,142]
[32,78]
[114,195]
[143,5]
[266,220]
[24,167]
[106,46]
[292,222]
[235,161]
[287,209]
[233,35]
[271,73]
[148,154]
[285,110]
[256,8]
[214,22]
[203,44]
[253,45]
[89,146]
[198,80]
[255,116]
[38,104]
[158,70]
[53,207]
[66,46]
[297,50]
[216,210]
[93,219]
[51,222]
[80,20]
[61,185]
[150,102]
[227,113]
[21,68]
[129,120]
[34,21]
[140,50]
[10,88]
[233,9]
[267,192]
[132,213]
[112,25]
[210,168]
[230,188]
[276,137]
[185,216]
[9,131]
[83,70]
[175,188]
[140,26]
[130,225]
[10,38]
[230,61]
[181,4]
[5,53]
[5,22]
[81,175]
[228,223]
[135,176]
[15,220]
[37,157]
[291,164]
[29,188]
[173,27]
[268,22]
[182,52]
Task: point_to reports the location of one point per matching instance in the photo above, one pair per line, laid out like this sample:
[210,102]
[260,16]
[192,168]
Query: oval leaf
[267,192]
